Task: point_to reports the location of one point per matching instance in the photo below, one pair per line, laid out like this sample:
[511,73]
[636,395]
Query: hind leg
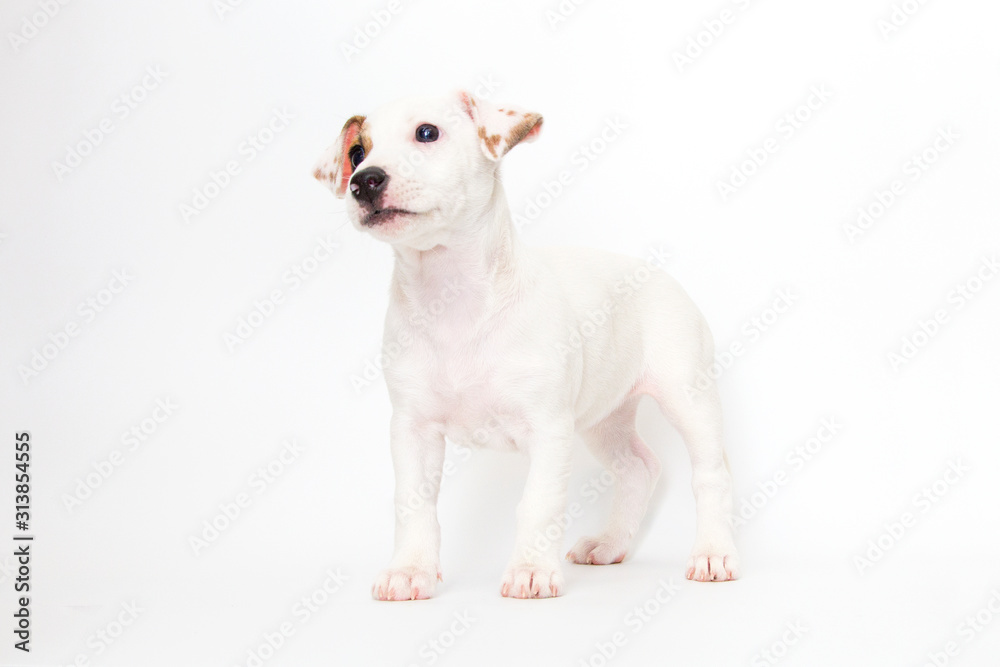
[695,410]
[617,445]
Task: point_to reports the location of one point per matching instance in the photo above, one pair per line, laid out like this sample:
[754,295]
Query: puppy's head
[420,169]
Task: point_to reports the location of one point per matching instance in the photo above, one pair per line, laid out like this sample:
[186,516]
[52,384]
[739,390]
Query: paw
[713,565]
[526,581]
[598,551]
[405,583]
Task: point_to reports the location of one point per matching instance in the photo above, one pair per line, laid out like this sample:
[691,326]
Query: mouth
[382,215]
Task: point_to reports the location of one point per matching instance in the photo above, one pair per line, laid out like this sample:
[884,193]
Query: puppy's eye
[427,133]
[356,155]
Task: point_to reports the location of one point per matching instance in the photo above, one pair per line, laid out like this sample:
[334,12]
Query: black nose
[367,185]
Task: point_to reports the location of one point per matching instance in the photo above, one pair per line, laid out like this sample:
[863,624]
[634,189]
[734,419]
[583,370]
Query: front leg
[535,569]
[417,459]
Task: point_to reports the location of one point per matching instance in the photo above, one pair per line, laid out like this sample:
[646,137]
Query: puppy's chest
[474,409]
[470,384]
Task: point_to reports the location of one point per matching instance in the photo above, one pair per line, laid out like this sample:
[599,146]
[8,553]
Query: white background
[655,185]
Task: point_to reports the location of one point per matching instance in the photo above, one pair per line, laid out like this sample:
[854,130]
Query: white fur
[497,341]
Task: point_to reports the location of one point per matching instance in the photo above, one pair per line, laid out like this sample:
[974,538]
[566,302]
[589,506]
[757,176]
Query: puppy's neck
[481,262]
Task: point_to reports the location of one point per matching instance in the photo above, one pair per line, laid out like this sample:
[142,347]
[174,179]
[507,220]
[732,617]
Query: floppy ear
[334,167]
[500,129]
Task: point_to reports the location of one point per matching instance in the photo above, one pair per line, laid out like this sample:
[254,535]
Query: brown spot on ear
[353,127]
[350,133]
[359,119]
[510,113]
[356,135]
[366,141]
[489,141]
[522,129]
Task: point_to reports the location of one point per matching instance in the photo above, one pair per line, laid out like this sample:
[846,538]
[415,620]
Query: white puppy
[489,332]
